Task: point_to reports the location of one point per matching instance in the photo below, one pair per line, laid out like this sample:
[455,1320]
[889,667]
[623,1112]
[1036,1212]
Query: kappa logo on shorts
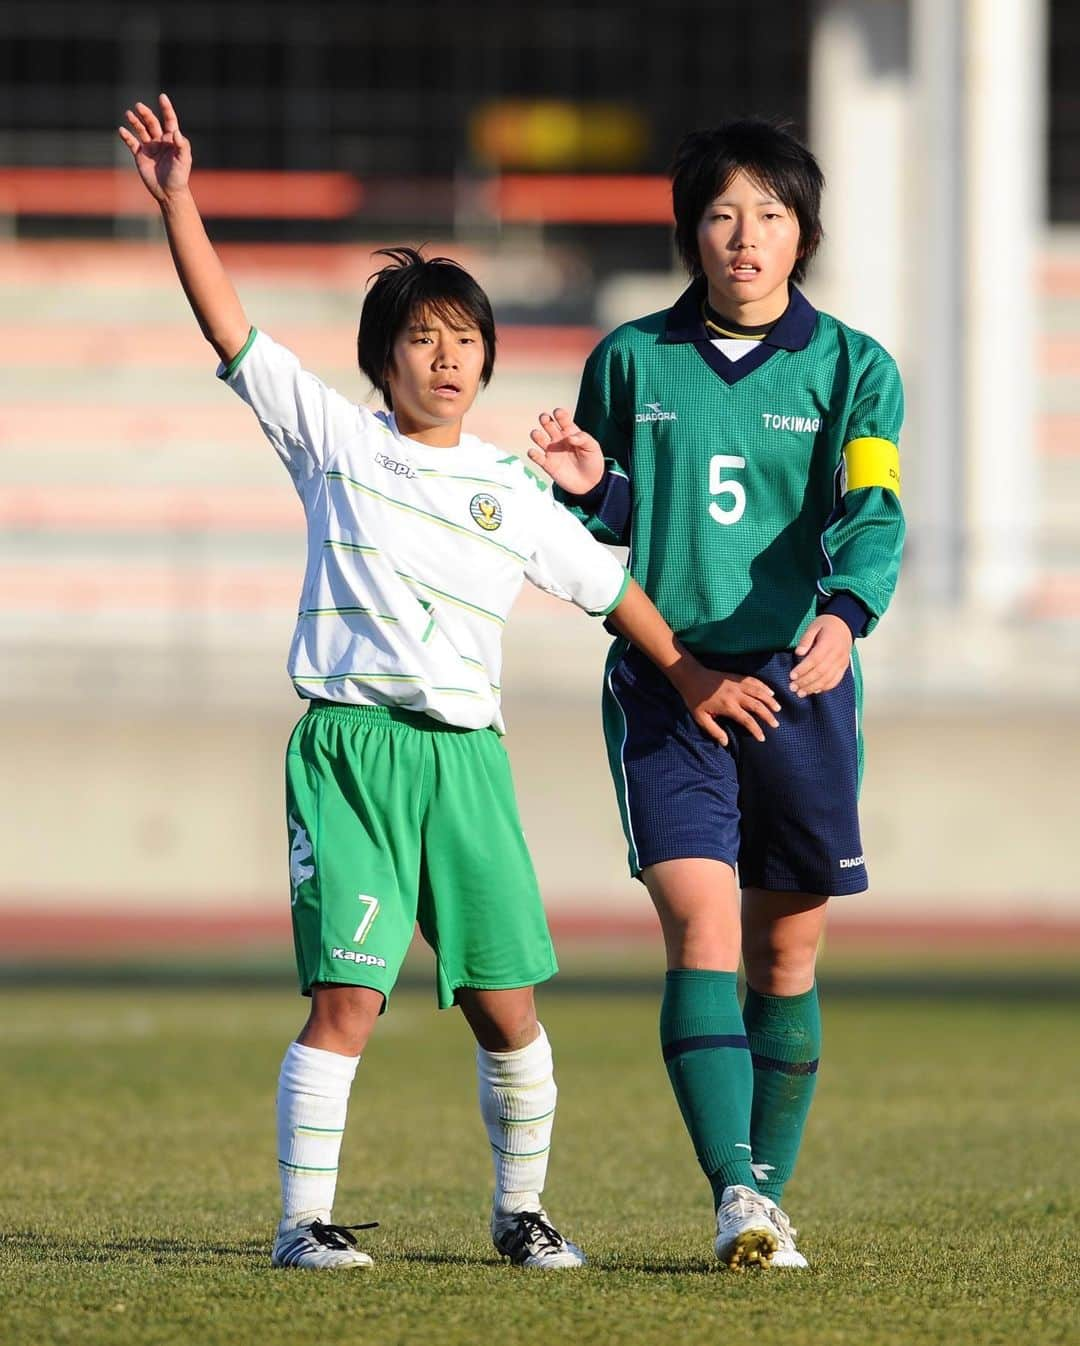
[298,853]
[853,863]
[351,956]
[486,511]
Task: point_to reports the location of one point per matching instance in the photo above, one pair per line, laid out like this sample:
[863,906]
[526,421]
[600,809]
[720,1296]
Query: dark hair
[409,285]
[766,151]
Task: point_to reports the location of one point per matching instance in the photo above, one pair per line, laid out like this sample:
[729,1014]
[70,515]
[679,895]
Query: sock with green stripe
[784,1033]
[517,1103]
[708,1063]
[312,1100]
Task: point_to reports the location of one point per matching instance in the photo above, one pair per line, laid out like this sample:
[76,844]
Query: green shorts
[396,818]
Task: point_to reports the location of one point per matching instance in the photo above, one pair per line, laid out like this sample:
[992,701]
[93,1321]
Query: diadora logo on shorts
[392,465]
[853,863]
[351,956]
[486,511]
[803,424]
[654,412]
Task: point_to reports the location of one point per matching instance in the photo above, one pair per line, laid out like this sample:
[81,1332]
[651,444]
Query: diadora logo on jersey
[486,511]
[351,956]
[392,465]
[654,412]
[298,853]
[803,424]
[853,863]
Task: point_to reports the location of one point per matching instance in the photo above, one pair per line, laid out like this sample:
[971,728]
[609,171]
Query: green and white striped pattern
[415,554]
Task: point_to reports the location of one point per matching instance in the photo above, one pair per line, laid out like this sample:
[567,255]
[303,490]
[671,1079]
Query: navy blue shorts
[783,812]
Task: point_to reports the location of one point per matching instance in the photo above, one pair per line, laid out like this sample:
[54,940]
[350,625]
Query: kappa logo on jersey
[809,425]
[853,863]
[392,465]
[351,956]
[654,412]
[298,853]
[486,511]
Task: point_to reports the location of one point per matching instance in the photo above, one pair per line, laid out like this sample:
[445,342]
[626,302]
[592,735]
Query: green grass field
[937,1198]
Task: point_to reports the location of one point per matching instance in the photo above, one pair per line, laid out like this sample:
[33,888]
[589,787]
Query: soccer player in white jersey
[400,805]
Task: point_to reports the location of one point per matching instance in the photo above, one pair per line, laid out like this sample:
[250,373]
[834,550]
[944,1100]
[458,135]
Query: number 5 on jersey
[728,487]
[372,910]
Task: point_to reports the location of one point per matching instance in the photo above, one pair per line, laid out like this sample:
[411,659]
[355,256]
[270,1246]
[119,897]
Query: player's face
[434,377]
[749,244]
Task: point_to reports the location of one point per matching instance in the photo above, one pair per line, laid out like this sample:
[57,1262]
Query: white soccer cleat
[745,1233]
[786,1255]
[529,1239]
[319,1246]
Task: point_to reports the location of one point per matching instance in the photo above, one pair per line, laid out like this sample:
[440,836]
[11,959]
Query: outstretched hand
[572,458]
[711,696]
[162,155]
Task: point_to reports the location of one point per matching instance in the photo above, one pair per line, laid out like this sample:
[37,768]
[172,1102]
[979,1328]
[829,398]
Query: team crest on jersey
[486,511]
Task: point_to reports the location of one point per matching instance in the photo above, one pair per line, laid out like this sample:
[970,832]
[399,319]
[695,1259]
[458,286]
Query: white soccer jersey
[415,554]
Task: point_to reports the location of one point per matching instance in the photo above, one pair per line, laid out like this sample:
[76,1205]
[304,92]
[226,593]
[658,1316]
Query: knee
[501,1021]
[341,1018]
[777,966]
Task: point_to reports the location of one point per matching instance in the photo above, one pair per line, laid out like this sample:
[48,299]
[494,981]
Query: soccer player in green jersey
[400,806]
[744,447]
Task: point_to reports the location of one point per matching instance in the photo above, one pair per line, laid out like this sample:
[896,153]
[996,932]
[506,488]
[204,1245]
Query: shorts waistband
[387,715]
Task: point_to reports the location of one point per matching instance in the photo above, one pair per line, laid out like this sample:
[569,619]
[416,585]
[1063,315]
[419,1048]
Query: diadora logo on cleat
[853,863]
[351,956]
[654,412]
[801,424]
[392,465]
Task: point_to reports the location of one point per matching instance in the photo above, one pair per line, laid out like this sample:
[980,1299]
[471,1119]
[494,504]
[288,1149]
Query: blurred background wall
[152,546]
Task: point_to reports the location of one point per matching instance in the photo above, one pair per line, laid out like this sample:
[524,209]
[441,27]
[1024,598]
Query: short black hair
[410,285]
[766,151]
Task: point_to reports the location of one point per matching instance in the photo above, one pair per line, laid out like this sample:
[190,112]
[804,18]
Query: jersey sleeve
[571,564]
[864,538]
[603,410]
[298,413]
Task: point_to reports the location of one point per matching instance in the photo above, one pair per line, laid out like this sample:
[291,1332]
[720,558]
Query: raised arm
[163,158]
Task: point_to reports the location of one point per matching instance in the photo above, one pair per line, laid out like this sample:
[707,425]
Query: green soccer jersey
[753,493]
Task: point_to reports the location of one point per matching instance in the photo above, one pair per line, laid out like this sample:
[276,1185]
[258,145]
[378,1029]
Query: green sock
[784,1033]
[708,1063]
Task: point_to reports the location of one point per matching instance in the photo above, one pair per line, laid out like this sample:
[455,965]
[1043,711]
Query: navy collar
[792,331]
[686,323]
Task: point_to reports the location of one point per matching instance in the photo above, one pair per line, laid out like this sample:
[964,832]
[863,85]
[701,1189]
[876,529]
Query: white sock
[517,1103]
[312,1099]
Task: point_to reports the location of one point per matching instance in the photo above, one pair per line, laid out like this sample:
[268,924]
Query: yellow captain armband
[872,462]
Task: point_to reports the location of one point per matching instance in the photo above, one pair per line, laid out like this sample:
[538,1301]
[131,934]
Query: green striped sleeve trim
[527,1154]
[423,514]
[238,359]
[615,469]
[304,1168]
[453,598]
[353,611]
[603,612]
